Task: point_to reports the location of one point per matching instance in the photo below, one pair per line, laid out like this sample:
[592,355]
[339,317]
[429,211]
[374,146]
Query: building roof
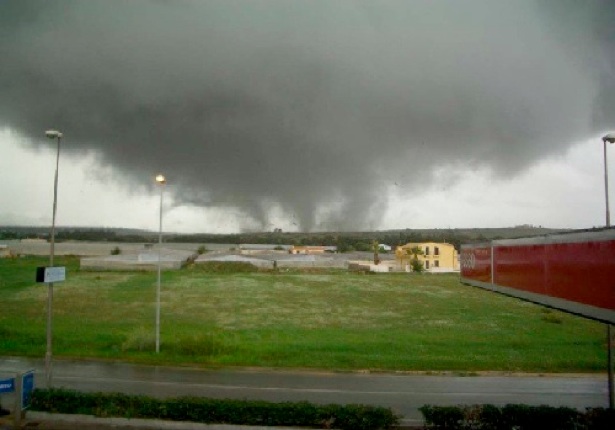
[315,247]
[263,247]
[412,244]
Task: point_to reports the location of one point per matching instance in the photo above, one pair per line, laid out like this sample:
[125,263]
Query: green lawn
[328,320]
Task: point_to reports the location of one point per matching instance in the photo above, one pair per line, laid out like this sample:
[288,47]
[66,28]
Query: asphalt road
[401,392]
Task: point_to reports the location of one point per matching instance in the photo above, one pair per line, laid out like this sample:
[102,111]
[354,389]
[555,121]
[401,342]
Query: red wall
[476,263]
[581,270]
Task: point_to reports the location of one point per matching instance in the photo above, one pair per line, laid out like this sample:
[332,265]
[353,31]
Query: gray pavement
[404,393]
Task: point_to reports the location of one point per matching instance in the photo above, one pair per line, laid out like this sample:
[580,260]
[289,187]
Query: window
[436,250]
[436,263]
[426,250]
[427,264]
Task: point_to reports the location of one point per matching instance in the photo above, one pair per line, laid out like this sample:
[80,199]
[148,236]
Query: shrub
[599,418]
[417,265]
[241,412]
[442,417]
[116,251]
[522,417]
[201,250]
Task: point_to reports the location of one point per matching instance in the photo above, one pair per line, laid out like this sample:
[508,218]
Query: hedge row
[518,417]
[299,414]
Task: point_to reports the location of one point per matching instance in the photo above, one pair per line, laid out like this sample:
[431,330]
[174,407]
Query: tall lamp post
[52,134]
[611,139]
[161,180]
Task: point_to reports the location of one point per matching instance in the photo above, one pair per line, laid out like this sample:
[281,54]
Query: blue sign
[7,385]
[27,387]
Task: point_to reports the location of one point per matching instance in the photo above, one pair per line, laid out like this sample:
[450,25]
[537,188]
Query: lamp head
[53,134]
[161,179]
[609,138]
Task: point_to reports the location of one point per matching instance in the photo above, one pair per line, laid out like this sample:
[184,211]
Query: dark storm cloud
[312,107]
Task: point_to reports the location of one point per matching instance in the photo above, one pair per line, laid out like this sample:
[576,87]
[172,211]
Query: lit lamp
[160,180]
[611,139]
[52,134]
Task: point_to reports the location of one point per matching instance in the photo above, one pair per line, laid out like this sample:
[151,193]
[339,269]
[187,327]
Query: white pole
[606,186]
[608,326]
[48,354]
[158,284]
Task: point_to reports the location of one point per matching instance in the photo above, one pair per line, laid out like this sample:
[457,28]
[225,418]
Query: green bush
[241,412]
[600,418]
[417,265]
[443,417]
[517,417]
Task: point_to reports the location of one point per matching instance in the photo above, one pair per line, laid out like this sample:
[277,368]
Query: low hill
[345,241]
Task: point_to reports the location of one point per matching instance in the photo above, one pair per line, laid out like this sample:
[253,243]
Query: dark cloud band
[312,107]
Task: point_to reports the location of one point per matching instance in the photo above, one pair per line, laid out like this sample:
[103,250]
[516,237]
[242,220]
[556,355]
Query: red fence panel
[475,261]
[573,272]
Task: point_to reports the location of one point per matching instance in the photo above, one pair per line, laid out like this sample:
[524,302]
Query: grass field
[323,320]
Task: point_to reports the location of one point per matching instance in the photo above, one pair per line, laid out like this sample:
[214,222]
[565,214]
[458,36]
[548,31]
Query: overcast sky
[307,115]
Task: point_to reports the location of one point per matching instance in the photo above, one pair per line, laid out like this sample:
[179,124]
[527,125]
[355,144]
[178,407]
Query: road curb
[51,421]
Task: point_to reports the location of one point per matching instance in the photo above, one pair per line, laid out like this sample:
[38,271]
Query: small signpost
[22,387]
[50,275]
[7,385]
[27,387]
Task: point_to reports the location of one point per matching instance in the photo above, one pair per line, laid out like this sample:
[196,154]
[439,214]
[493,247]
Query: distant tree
[8,235]
[415,251]
[415,263]
[116,251]
[201,250]
[343,247]
[329,240]
[363,246]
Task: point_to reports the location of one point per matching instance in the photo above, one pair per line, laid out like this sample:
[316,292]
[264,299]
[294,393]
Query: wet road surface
[401,392]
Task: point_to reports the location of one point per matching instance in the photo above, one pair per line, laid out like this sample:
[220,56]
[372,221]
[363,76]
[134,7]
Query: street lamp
[161,180]
[52,134]
[611,139]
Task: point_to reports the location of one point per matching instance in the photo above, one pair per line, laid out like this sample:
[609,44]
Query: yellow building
[436,257]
